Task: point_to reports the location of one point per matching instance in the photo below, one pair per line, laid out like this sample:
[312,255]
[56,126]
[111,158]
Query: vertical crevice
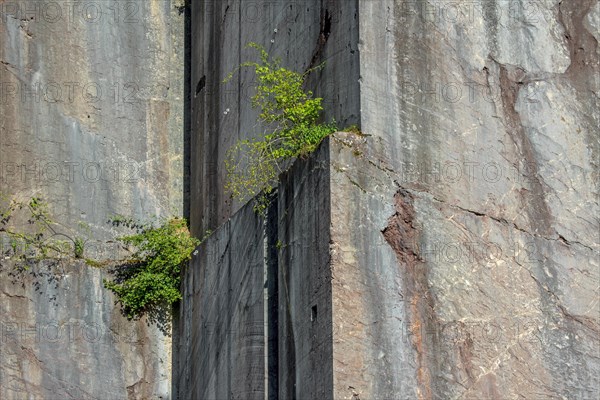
[178,307]
[287,360]
[272,305]
[175,348]
[187,103]
[211,112]
[324,32]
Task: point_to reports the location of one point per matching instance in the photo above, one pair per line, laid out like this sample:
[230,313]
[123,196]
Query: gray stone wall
[484,124]
[92,108]
[303,268]
[91,103]
[62,337]
[303,34]
[463,231]
[221,338]
[255,321]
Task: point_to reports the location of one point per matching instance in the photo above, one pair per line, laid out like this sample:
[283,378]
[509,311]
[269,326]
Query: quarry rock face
[92,108]
[461,227]
[62,337]
[222,113]
[91,100]
[255,320]
[449,250]
[493,222]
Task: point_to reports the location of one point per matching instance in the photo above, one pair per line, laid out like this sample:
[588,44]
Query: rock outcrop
[91,105]
[462,225]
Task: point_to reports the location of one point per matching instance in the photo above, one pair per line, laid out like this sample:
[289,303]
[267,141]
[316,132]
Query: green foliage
[148,281]
[78,247]
[145,283]
[290,115]
[39,237]
[93,263]
[34,240]
[353,129]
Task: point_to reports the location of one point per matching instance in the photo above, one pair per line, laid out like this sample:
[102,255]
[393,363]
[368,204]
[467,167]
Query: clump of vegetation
[147,282]
[40,239]
[289,114]
[30,238]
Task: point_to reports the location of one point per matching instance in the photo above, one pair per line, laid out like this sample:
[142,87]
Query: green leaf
[290,113]
[149,279]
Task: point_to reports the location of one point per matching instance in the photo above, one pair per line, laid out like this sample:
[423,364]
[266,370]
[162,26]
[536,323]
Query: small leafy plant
[78,247]
[290,116]
[37,247]
[145,283]
[39,238]
[148,281]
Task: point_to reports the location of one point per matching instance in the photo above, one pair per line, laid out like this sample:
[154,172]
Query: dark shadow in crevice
[187,152]
[187,104]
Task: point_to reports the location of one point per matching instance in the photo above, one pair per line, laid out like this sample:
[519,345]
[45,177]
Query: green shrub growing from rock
[147,282]
[290,116]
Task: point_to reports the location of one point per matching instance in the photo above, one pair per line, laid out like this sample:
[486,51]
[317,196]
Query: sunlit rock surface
[462,228]
[91,121]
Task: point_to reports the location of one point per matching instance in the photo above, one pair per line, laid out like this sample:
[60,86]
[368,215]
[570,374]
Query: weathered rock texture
[221,320]
[91,103]
[498,291]
[62,338]
[256,313]
[92,99]
[221,113]
[462,235]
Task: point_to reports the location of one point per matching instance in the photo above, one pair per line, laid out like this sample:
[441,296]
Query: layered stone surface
[484,123]
[62,337]
[463,236]
[302,34]
[255,320]
[91,105]
[92,108]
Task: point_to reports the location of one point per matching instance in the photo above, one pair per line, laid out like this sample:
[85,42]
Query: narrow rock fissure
[272,306]
[324,33]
